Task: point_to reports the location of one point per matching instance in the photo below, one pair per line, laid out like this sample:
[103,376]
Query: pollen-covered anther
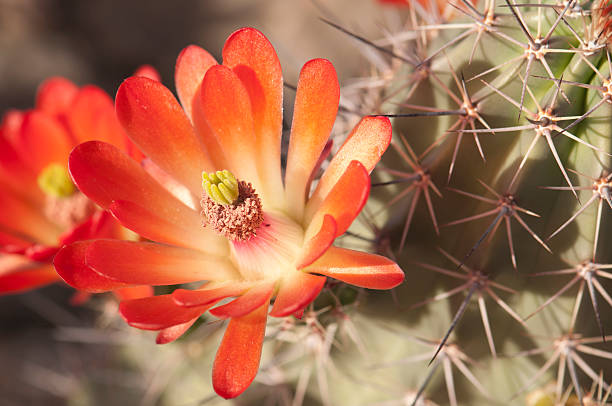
[237,221]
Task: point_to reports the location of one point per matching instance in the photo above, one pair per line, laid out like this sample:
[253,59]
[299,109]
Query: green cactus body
[495,350]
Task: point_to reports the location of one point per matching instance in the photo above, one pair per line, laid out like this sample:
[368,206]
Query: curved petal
[170,334]
[13,170]
[92,117]
[148,71]
[253,59]
[358,268]
[191,66]
[134,292]
[366,144]
[237,359]
[257,296]
[159,127]
[144,263]
[42,141]
[104,173]
[25,221]
[227,110]
[177,230]
[209,293]
[316,245]
[316,105]
[55,95]
[296,291]
[157,312]
[28,279]
[345,200]
[71,267]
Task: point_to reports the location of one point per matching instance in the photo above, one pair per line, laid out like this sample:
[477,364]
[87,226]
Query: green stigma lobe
[220,186]
[55,181]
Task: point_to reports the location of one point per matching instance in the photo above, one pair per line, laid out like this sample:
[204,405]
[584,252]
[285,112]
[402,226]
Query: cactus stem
[507,209]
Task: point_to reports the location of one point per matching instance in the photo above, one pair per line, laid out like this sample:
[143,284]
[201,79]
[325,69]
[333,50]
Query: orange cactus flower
[41,208]
[236,226]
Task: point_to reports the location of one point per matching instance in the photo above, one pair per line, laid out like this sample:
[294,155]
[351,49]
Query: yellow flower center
[55,181]
[221,186]
[230,207]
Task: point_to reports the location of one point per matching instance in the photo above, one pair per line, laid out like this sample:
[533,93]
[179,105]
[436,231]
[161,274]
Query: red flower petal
[70,265]
[237,359]
[253,59]
[296,291]
[134,292]
[170,334]
[346,198]
[255,297]
[184,230]
[26,221]
[209,293]
[55,95]
[227,110]
[92,117]
[157,312]
[316,245]
[316,105]
[144,263]
[43,141]
[191,66]
[104,174]
[159,127]
[147,71]
[358,268]
[366,144]
[28,279]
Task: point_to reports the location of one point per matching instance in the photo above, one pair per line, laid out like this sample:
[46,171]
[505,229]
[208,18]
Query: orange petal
[157,312]
[253,59]
[316,105]
[144,263]
[191,66]
[255,297]
[345,200]
[43,141]
[148,71]
[184,230]
[296,291]
[104,173]
[27,279]
[211,292]
[134,292]
[158,125]
[237,359]
[25,221]
[70,265]
[366,144]
[358,268]
[55,95]
[14,171]
[92,117]
[227,110]
[171,334]
[316,245]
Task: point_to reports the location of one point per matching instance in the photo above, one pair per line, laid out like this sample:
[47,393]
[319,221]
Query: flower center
[64,204]
[231,207]
[55,181]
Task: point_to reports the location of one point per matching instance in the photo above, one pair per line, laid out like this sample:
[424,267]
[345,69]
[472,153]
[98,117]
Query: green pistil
[220,186]
[55,181]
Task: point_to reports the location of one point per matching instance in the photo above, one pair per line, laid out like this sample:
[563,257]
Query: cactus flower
[215,207]
[41,208]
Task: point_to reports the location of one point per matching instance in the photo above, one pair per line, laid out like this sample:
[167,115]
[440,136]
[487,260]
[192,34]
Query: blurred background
[54,353]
